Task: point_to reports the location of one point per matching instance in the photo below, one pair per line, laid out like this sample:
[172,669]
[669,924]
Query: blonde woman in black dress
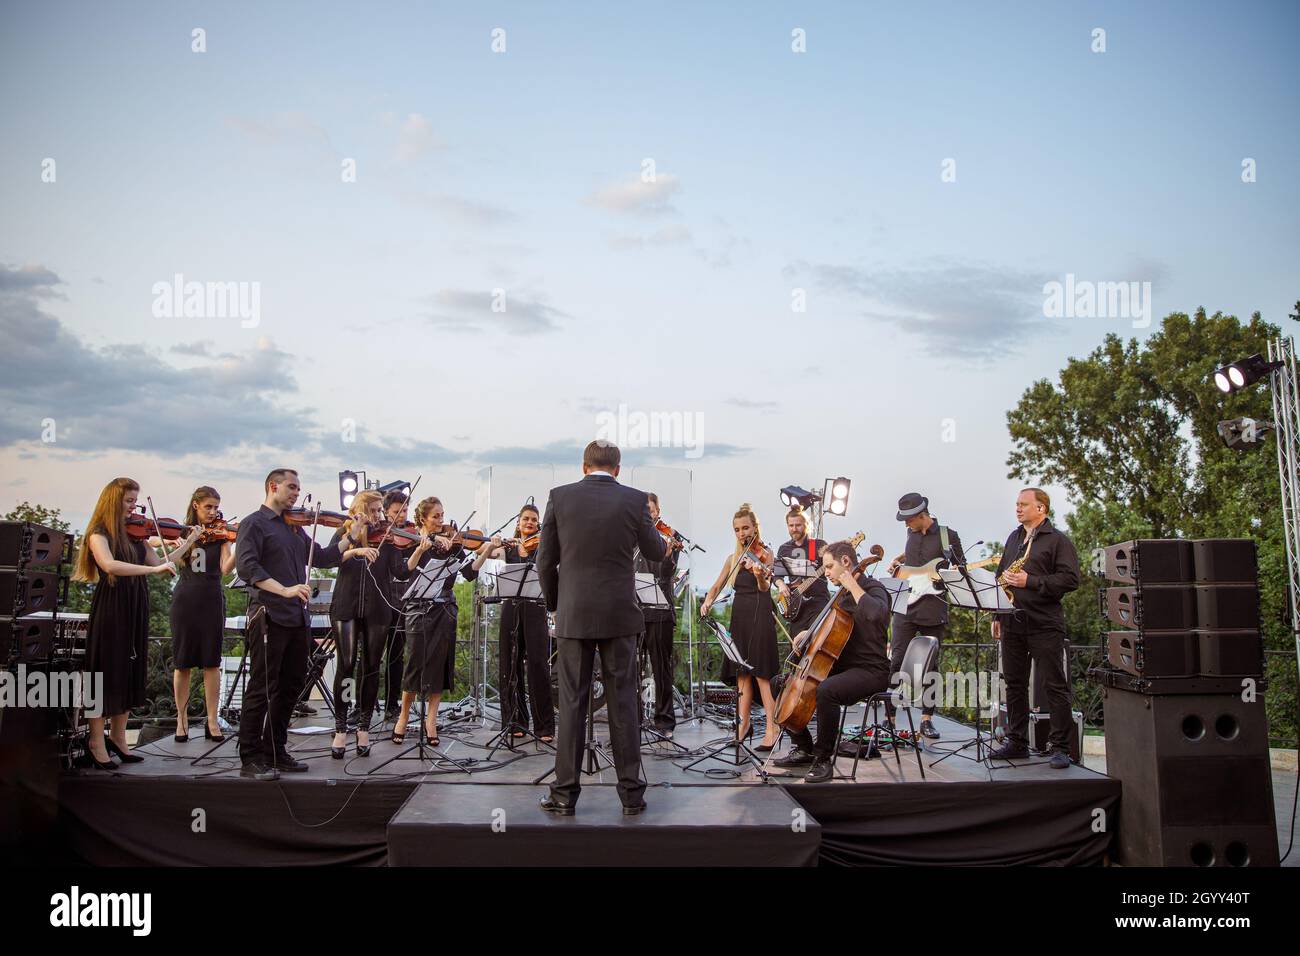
[117,642]
[753,627]
[198,615]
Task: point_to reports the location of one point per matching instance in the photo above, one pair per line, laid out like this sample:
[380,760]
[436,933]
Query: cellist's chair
[920,659]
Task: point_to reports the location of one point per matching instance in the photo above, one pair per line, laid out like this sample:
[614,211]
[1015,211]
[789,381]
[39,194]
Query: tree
[1131,433]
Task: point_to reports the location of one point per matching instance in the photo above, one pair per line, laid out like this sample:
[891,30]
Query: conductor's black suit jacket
[586,559]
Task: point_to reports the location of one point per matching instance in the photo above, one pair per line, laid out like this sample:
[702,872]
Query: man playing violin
[862,669]
[272,557]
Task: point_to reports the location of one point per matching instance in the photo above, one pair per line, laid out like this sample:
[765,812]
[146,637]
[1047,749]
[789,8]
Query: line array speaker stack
[35,567]
[1186,730]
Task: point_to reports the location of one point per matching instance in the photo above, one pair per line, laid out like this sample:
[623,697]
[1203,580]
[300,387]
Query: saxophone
[1017,565]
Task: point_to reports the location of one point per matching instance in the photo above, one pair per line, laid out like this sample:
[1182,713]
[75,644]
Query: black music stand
[742,753]
[649,595]
[422,595]
[519,585]
[978,590]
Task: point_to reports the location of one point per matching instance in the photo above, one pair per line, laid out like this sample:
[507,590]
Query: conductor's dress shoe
[551,805]
[632,809]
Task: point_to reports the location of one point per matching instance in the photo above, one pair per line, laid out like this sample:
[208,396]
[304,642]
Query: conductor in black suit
[586,563]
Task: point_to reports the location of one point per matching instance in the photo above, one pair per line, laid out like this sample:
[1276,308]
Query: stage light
[794,495]
[349,484]
[839,495]
[1238,375]
[1244,432]
[403,486]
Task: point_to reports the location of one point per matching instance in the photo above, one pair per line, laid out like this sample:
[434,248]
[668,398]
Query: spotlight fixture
[1238,375]
[792,495]
[1243,432]
[350,482]
[838,495]
[403,486]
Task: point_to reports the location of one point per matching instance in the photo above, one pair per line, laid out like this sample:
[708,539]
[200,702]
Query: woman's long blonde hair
[107,520]
[357,510]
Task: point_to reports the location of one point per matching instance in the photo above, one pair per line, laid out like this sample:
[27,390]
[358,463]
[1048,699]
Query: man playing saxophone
[1039,567]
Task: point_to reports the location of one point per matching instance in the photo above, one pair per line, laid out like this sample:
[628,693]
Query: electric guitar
[924,580]
[791,605]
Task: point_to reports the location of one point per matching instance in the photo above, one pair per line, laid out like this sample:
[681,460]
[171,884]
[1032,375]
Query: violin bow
[162,544]
[311,546]
[409,495]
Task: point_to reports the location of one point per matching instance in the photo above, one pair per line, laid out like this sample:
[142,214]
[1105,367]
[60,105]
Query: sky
[819,234]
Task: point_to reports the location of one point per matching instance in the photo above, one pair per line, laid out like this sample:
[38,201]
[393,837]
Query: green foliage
[1131,433]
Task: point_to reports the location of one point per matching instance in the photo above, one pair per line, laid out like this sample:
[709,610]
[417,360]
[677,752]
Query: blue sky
[520,171]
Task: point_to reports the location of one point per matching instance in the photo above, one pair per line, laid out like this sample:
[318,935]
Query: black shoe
[209,735]
[822,770]
[181,738]
[109,764]
[363,750]
[632,809]
[927,730]
[288,764]
[1009,752]
[762,748]
[795,758]
[551,805]
[1060,760]
[117,752]
[257,770]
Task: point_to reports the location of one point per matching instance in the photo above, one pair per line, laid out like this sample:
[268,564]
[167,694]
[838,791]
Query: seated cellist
[861,670]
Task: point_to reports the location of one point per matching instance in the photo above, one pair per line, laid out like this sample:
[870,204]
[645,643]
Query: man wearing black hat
[926,540]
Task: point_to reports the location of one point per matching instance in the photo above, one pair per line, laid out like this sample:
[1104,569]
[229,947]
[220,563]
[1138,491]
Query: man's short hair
[840,550]
[1042,498]
[277,475]
[602,455]
[394,498]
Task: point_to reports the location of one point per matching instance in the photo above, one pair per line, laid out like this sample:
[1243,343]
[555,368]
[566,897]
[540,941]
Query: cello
[821,649]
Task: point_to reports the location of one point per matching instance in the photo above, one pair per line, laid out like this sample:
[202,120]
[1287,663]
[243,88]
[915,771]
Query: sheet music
[430,580]
[990,594]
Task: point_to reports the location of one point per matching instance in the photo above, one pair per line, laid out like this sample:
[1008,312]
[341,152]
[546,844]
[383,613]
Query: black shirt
[268,547]
[810,550]
[366,592]
[1053,569]
[865,647]
[923,547]
[663,572]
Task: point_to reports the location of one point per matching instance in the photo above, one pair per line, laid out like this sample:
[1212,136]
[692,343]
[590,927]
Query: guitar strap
[943,538]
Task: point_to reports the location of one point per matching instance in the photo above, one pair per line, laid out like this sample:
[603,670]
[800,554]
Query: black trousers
[574,661]
[524,644]
[277,673]
[659,649]
[394,650]
[901,633]
[844,689]
[351,637]
[1045,648]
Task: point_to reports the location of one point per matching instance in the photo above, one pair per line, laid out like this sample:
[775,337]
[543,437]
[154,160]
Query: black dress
[753,629]
[198,611]
[431,635]
[117,643]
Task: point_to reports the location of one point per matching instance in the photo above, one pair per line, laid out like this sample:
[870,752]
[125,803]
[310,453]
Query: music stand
[742,752]
[520,585]
[650,596]
[978,590]
[424,593]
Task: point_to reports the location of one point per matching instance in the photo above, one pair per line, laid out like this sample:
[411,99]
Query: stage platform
[167,811]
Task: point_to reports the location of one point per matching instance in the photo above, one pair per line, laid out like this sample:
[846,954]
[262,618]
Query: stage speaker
[32,639]
[1170,607]
[24,543]
[1197,787]
[25,592]
[1230,653]
[1148,653]
[1225,561]
[1147,561]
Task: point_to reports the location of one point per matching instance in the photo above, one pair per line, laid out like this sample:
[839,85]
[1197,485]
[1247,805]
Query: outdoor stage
[414,812]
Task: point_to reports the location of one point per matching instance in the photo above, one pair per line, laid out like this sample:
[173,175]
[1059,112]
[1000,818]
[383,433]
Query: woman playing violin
[361,610]
[118,631]
[198,614]
[753,627]
[431,624]
[395,510]
[525,643]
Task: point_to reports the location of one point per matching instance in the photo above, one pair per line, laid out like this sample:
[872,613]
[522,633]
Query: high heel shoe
[119,753]
[338,753]
[749,732]
[363,750]
[109,764]
[182,738]
[215,738]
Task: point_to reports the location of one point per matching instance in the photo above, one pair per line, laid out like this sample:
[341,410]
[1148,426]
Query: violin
[402,536]
[302,517]
[672,538]
[471,540]
[141,528]
[528,544]
[219,530]
[759,558]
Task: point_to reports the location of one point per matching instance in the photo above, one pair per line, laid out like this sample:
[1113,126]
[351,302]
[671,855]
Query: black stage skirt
[753,629]
[118,642]
[430,649]
[198,623]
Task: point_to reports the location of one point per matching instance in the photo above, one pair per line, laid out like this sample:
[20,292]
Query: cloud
[638,197]
[463,310]
[281,129]
[415,138]
[752,404]
[667,236]
[30,280]
[970,311]
[468,212]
